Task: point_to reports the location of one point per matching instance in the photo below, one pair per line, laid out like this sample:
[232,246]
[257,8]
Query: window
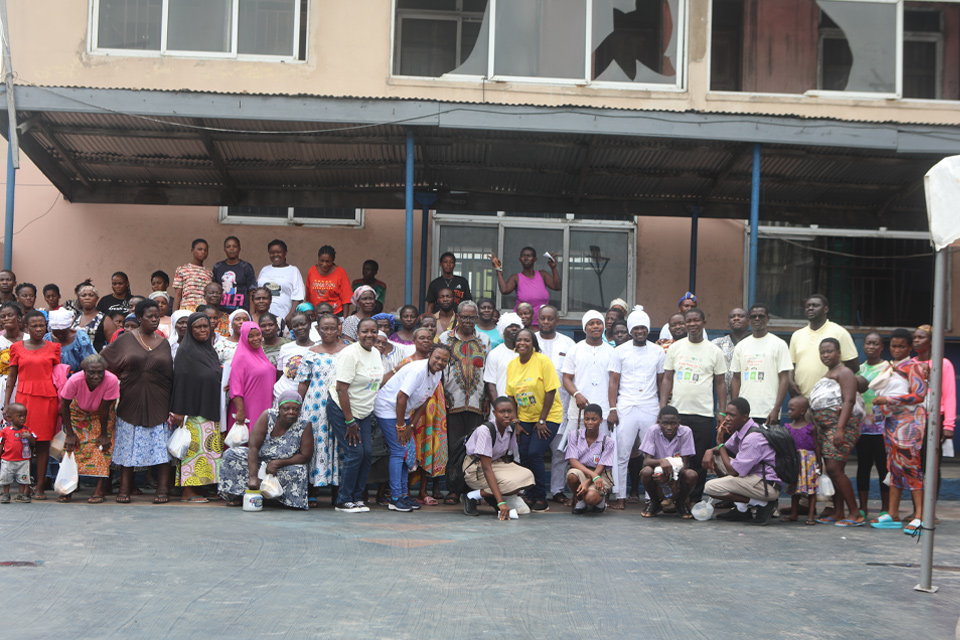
[636,42]
[245,29]
[307,216]
[872,279]
[596,259]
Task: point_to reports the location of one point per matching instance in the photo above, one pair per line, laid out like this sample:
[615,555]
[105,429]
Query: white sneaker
[516,502]
[360,506]
[348,507]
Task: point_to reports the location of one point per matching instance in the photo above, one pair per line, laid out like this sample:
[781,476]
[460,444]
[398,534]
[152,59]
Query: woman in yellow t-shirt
[532,384]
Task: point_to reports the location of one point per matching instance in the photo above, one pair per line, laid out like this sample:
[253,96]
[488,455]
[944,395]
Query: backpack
[456,478]
[787,460]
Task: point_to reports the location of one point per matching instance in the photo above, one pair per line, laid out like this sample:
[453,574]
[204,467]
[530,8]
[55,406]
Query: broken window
[434,37]
[859,46]
[635,40]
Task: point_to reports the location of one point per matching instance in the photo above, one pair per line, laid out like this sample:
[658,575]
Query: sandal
[234,503]
[123,499]
[430,502]
[161,499]
[914,528]
[95,499]
[560,498]
[66,498]
[653,508]
[194,500]
[826,520]
[38,494]
[451,498]
[885,521]
[810,522]
[847,522]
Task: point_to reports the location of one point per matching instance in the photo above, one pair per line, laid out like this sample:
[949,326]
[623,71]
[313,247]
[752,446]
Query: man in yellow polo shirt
[805,346]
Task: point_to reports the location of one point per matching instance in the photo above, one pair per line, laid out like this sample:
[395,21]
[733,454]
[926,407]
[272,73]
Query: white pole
[8,80]
[933,423]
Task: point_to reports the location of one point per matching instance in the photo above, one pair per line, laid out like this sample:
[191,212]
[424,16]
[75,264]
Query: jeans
[399,471]
[356,457]
[704,437]
[532,447]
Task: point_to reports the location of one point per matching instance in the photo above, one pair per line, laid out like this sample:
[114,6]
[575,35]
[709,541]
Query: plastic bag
[57,445]
[703,510]
[270,487]
[179,443]
[68,477]
[825,489]
[239,435]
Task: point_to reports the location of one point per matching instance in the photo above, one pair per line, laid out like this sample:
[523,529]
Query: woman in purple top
[531,285]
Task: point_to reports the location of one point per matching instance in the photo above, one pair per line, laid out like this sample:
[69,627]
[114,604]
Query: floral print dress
[319,370]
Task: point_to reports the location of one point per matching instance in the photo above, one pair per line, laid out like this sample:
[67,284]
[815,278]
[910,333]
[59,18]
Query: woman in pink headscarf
[365,301]
[251,376]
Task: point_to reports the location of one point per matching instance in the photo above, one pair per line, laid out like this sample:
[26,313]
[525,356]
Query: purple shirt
[656,445]
[600,452]
[803,437]
[754,455]
[478,444]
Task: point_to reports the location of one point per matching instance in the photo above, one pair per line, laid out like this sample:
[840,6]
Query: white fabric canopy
[942,186]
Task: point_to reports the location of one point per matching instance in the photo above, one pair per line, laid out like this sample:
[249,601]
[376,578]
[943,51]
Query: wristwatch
[541,422]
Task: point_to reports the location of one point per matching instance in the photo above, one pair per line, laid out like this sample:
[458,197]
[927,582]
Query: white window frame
[814,231]
[93,38]
[680,86]
[569,223]
[292,221]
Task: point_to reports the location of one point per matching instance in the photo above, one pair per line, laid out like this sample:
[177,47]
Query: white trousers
[634,423]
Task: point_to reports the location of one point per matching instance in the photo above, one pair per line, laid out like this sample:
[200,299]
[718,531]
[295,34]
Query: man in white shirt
[495,368]
[636,372]
[283,280]
[693,373]
[761,369]
[555,346]
[586,375]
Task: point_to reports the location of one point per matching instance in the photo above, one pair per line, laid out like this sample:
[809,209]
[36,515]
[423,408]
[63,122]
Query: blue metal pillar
[754,223]
[8,221]
[694,231]
[408,276]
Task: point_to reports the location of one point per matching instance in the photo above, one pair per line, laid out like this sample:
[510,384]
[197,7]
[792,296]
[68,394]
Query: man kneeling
[591,456]
[748,478]
[666,474]
[486,469]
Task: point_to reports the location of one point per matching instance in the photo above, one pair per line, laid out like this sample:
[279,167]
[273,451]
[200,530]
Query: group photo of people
[238,386]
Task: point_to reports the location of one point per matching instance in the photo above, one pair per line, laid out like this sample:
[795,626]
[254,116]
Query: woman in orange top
[327,282]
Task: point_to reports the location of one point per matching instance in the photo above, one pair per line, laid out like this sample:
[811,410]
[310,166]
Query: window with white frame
[243,29]
[596,259]
[306,216]
[596,42]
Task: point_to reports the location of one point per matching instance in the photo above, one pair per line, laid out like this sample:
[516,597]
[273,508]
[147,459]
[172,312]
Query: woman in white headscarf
[74,344]
[178,324]
[166,322]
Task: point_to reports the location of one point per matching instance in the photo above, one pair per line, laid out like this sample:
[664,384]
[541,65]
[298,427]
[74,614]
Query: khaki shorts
[511,477]
[605,476]
[14,472]
[748,486]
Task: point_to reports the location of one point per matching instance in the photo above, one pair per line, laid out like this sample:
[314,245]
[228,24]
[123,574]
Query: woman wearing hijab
[225,349]
[251,376]
[195,404]
[178,321]
[163,301]
[74,344]
[281,444]
[365,301]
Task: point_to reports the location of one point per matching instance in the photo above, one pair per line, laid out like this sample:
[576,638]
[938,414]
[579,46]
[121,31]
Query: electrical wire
[852,255]
[42,215]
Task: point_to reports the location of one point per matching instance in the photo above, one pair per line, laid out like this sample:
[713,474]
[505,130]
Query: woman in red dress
[31,373]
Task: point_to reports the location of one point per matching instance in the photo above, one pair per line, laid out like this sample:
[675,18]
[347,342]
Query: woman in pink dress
[252,376]
[531,285]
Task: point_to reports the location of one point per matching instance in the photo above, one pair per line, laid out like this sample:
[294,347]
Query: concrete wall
[349,55]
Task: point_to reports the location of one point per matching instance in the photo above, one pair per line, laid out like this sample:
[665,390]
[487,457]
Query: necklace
[447,282]
[139,335]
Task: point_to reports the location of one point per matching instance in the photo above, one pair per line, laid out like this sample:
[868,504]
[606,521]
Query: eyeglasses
[469,318]
[758,316]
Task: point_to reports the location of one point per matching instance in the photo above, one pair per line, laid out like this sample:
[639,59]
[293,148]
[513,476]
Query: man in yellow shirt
[805,346]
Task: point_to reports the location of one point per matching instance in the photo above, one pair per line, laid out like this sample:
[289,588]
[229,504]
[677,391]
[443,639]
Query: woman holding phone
[531,285]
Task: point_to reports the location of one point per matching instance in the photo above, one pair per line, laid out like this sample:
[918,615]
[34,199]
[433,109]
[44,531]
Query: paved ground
[144,571]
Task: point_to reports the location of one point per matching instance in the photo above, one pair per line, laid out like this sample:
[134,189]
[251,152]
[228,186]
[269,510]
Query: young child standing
[17,444]
[805,437]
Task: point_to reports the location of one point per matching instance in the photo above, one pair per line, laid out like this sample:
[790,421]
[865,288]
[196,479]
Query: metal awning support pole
[754,224]
[408,275]
[425,200]
[13,143]
[933,422]
[694,232]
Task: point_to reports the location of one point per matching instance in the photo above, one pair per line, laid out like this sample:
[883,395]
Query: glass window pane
[469,31]
[870,29]
[265,27]
[329,213]
[259,212]
[515,239]
[199,25]
[130,24]
[427,47]
[598,269]
[536,38]
[920,70]
[470,245]
[635,41]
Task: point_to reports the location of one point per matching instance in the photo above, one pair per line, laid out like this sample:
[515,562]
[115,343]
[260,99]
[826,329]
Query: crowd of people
[310,383]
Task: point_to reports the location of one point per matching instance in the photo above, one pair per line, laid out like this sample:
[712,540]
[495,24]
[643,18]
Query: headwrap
[131,316]
[196,385]
[619,303]
[389,318]
[289,396]
[234,315]
[360,291]
[61,318]
[591,315]
[87,285]
[508,319]
[174,318]
[157,294]
[381,334]
[687,296]
[303,307]
[638,318]
[925,327]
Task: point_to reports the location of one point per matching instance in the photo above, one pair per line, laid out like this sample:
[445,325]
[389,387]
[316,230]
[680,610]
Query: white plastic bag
[270,487]
[67,477]
[179,443]
[825,489]
[703,510]
[239,435]
[57,444]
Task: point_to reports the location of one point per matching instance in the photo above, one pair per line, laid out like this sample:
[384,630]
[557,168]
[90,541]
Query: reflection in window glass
[130,24]
[265,27]
[471,245]
[435,37]
[870,30]
[428,47]
[540,38]
[598,269]
[514,240]
[199,25]
[635,41]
